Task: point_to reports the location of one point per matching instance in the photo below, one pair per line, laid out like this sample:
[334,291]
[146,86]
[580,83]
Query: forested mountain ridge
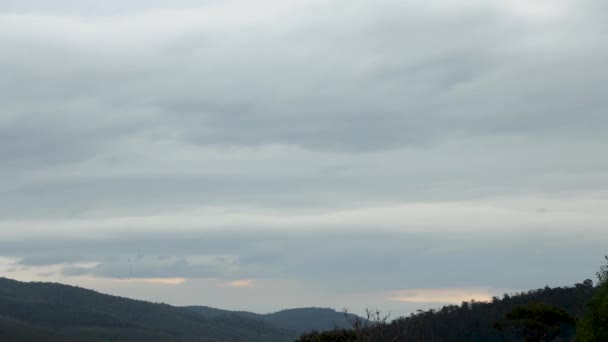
[471,321]
[299,320]
[50,311]
[56,309]
[55,312]
[475,321]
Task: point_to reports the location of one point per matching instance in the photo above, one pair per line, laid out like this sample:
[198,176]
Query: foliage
[594,326]
[537,322]
[338,335]
[473,321]
[368,329]
[602,274]
[12,330]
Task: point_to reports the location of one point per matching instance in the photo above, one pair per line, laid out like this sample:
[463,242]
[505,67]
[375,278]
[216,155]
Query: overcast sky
[261,155]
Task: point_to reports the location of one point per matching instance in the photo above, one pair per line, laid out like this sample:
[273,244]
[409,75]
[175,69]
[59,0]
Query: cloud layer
[344,120]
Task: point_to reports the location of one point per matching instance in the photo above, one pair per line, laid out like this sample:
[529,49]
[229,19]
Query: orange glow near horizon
[440,295]
[241,283]
[167,281]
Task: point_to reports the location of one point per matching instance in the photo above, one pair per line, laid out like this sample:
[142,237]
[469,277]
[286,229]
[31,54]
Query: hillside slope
[299,320]
[471,321]
[72,311]
[474,321]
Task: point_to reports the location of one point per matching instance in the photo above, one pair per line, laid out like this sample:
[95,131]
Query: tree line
[572,313]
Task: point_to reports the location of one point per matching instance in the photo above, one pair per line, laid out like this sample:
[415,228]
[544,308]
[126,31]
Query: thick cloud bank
[128,124]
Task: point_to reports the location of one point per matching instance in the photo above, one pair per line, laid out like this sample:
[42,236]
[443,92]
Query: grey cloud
[300,182]
[358,80]
[357,261]
[347,104]
[44,259]
[128,269]
[361,80]
[92,7]
[75,271]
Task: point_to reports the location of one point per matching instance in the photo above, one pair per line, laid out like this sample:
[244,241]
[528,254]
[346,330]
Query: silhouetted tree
[370,328]
[537,322]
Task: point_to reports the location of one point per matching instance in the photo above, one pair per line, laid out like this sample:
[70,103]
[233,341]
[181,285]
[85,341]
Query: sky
[262,155]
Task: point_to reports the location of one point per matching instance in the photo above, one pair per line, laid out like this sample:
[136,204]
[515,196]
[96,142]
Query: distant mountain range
[297,320]
[39,311]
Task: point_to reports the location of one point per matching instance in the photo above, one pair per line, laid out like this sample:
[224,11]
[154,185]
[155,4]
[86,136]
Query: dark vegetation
[537,322]
[472,320]
[577,313]
[594,325]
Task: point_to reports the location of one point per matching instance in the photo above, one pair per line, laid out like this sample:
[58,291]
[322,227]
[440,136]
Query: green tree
[537,322]
[594,326]
[602,274]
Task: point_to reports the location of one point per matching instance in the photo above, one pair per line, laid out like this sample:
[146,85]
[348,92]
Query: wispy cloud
[241,283]
[166,281]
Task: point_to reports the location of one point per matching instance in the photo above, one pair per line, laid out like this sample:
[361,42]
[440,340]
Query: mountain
[210,312]
[308,319]
[12,330]
[52,312]
[48,311]
[298,320]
